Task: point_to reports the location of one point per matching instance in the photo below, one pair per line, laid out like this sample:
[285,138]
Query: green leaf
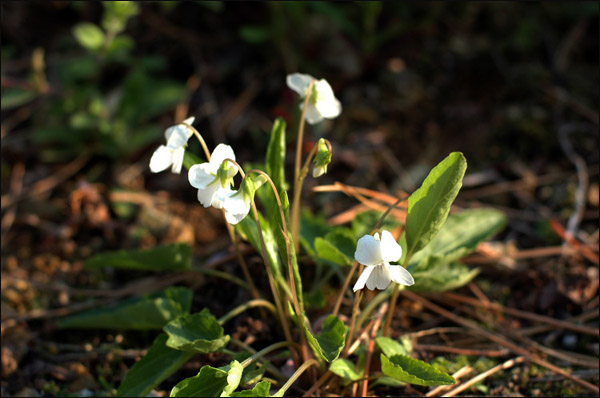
[199,333]
[312,227]
[460,235]
[413,371]
[89,35]
[261,389]
[275,162]
[436,275]
[177,256]
[254,34]
[346,370]
[428,206]
[391,347]
[338,246]
[151,312]
[159,363]
[329,343]
[234,376]
[209,382]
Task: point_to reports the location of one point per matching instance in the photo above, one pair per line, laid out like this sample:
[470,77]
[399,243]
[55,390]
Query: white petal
[390,249]
[368,251]
[318,171]
[400,275]
[177,160]
[189,120]
[330,108]
[313,116]
[206,195]
[220,196]
[161,159]
[362,279]
[200,175]
[299,82]
[236,208]
[177,136]
[380,278]
[220,153]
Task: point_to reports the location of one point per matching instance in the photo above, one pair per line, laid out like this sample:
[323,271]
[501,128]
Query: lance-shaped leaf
[198,333]
[391,347]
[159,363]
[210,382]
[160,258]
[275,163]
[428,206]
[329,343]
[413,371]
[144,313]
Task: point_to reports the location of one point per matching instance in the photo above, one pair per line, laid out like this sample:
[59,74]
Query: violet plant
[278,232]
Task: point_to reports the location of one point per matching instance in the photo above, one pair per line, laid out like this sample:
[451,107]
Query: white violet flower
[322,102]
[172,153]
[215,177]
[237,203]
[376,255]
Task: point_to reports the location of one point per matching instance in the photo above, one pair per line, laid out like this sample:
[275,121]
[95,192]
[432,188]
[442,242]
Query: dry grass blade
[523,314]
[499,339]
[465,370]
[508,364]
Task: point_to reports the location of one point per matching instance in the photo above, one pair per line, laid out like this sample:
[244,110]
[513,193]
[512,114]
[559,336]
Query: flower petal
[368,251]
[221,195]
[220,153]
[200,175]
[380,278]
[177,160]
[312,115]
[318,171]
[236,208]
[400,275]
[390,249]
[161,159]
[299,82]
[177,136]
[362,279]
[206,195]
[329,109]
[189,120]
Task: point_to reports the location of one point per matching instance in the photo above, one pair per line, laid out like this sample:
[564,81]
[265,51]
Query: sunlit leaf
[338,246]
[413,371]
[428,206]
[261,389]
[199,333]
[346,370]
[329,343]
[89,35]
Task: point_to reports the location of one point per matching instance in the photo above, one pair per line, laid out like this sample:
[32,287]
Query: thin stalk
[251,350]
[350,336]
[276,297]
[199,137]
[224,275]
[295,376]
[242,261]
[293,271]
[250,304]
[265,351]
[297,183]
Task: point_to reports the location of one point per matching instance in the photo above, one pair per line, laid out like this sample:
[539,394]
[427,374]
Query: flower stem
[295,376]
[250,304]
[297,181]
[294,273]
[265,351]
[355,306]
[199,137]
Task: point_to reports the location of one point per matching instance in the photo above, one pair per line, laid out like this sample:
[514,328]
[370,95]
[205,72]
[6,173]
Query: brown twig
[371,347]
[498,339]
[465,370]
